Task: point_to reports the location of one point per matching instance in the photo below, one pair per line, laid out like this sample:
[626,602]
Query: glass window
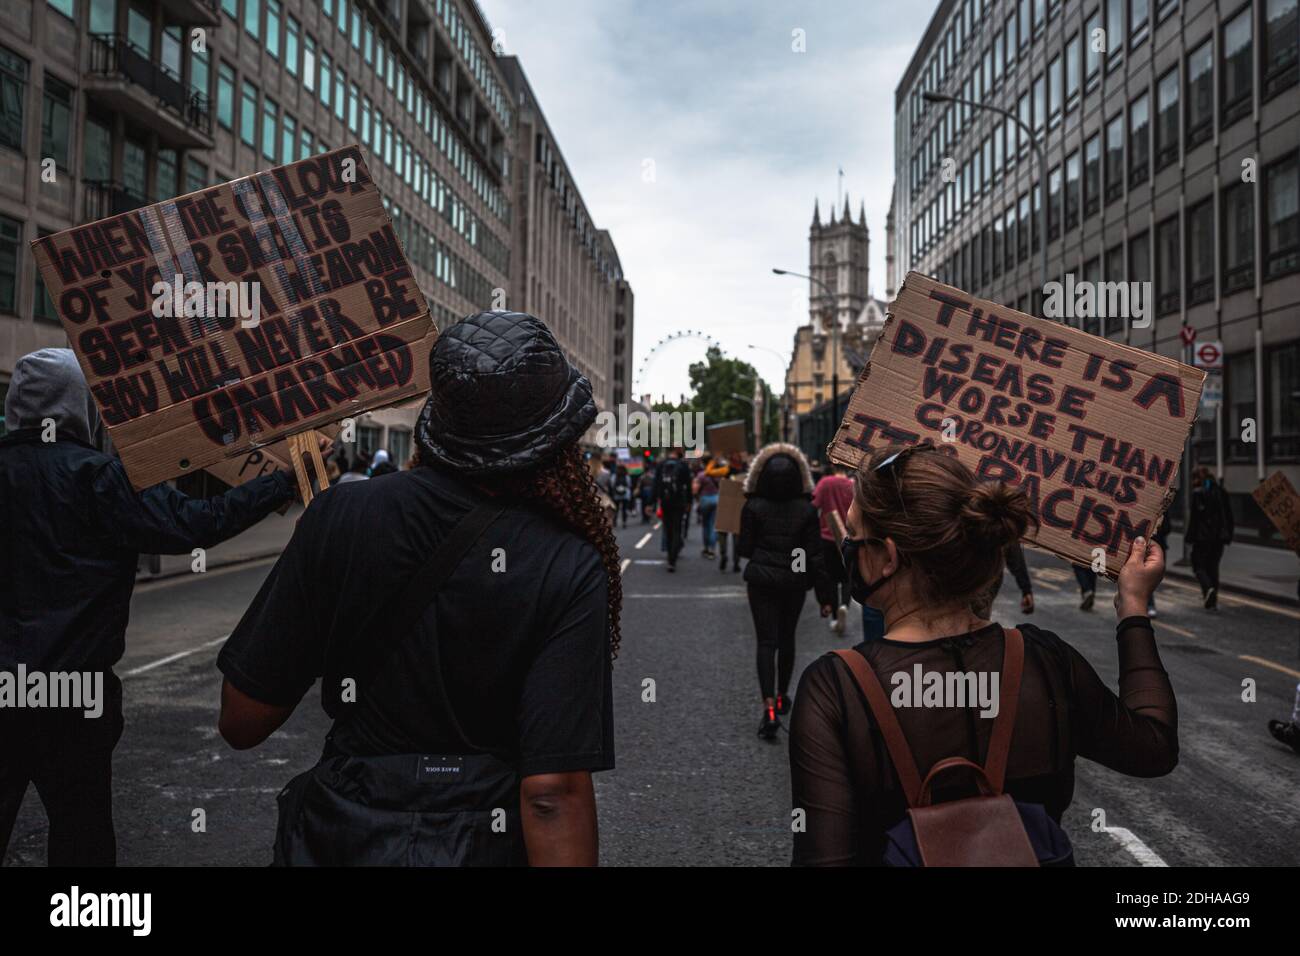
[42,305]
[200,77]
[272,44]
[253,17]
[1139,14]
[290,138]
[304,143]
[309,62]
[226,95]
[1072,186]
[13,97]
[1238,237]
[1054,203]
[96,152]
[1054,78]
[56,122]
[326,70]
[66,7]
[196,175]
[1115,158]
[168,176]
[1072,48]
[1139,141]
[291,34]
[135,169]
[1093,47]
[1009,41]
[248,115]
[1200,252]
[1167,119]
[1281,222]
[340,92]
[230,8]
[1168,279]
[1239,389]
[1284,410]
[1281,36]
[103,16]
[1236,67]
[139,30]
[1092,175]
[1022,228]
[1200,94]
[270,114]
[354,96]
[1040,103]
[11,237]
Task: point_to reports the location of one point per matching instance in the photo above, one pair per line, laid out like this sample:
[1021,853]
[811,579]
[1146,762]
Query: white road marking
[174,657]
[151,584]
[642,542]
[658,525]
[1140,851]
[623,567]
[703,595]
[1264,662]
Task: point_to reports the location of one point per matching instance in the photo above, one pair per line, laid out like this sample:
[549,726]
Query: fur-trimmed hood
[773,460]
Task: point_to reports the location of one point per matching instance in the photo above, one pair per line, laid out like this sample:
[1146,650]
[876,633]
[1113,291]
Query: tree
[716,380]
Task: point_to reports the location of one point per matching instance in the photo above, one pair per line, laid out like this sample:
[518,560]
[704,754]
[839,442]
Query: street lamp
[785,408]
[1034,144]
[835,340]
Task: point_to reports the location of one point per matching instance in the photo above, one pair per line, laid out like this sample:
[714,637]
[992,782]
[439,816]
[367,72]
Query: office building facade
[1171,134]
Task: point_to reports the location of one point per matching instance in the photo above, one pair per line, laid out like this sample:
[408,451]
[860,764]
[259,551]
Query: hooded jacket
[779,518]
[71,525]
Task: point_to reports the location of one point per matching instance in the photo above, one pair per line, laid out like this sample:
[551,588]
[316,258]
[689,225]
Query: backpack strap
[416,596]
[883,713]
[1013,666]
[995,761]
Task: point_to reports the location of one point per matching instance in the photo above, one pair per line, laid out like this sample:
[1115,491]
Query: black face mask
[859,589]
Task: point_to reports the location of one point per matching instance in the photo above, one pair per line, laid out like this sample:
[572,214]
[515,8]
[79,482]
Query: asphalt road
[694,784]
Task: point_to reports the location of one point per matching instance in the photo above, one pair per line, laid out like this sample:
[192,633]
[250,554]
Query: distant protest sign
[1278,500]
[215,324]
[725,438]
[1091,429]
[731,501]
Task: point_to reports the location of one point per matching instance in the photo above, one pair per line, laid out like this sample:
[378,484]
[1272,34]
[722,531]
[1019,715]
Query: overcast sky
[743,133]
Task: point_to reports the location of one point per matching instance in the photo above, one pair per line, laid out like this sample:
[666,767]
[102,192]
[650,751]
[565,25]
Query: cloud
[744,133]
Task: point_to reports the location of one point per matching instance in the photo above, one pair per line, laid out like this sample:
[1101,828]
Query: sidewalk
[1268,573]
[267,537]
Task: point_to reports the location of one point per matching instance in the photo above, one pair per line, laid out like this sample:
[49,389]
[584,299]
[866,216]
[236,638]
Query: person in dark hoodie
[71,527]
[780,536]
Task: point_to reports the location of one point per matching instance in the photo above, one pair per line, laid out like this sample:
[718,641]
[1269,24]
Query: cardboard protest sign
[725,438]
[1091,429]
[731,501]
[214,324]
[1278,499]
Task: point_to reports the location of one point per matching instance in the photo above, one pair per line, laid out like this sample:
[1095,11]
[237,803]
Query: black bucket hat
[503,396]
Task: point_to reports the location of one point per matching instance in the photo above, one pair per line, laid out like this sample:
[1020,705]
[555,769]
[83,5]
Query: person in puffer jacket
[780,536]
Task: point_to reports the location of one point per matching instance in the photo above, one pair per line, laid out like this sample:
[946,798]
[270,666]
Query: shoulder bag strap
[1013,665]
[409,606]
[899,752]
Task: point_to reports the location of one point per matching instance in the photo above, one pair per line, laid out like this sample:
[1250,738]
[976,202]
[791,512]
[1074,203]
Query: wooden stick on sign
[304,449]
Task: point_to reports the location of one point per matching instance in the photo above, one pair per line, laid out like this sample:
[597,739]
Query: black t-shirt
[521,625]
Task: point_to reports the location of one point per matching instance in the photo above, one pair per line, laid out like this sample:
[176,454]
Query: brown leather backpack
[985,830]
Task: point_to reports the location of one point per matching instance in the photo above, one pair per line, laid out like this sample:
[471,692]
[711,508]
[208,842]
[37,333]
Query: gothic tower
[838,255]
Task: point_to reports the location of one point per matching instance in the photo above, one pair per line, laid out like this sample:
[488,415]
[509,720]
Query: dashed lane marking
[1166,626]
[1264,662]
[1139,850]
[174,657]
[642,542]
[626,561]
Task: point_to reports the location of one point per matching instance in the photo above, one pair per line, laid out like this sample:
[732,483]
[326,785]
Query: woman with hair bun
[926,539]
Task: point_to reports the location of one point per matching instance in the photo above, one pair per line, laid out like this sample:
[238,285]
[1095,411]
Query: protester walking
[925,540]
[1209,532]
[673,490]
[73,526]
[622,493]
[734,466]
[495,575]
[645,488]
[358,470]
[1086,578]
[706,490]
[832,496]
[780,537]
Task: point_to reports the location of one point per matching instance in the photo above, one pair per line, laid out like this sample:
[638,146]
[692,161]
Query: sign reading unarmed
[1277,499]
[212,325]
[1091,429]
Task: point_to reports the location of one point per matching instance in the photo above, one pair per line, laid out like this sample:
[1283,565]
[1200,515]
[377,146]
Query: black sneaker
[769,725]
[783,704]
[1286,732]
[1088,598]
[672,567]
[1211,599]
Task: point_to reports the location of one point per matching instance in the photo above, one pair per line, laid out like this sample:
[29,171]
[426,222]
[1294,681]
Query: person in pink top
[834,493]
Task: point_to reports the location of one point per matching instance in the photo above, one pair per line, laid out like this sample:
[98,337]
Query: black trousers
[1086,577]
[776,618]
[1206,556]
[833,561]
[69,758]
[673,525]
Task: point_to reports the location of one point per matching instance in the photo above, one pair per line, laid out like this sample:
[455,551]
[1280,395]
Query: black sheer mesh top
[841,775]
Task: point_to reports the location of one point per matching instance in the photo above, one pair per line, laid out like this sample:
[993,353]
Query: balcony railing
[114,55]
[104,198]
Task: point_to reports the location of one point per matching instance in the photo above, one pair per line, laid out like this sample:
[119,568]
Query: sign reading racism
[212,325]
[1278,499]
[1091,429]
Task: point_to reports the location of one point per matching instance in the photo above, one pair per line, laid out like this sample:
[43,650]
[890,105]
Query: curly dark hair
[565,486]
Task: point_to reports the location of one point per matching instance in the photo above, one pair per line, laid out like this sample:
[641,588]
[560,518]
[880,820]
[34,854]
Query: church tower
[838,253]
